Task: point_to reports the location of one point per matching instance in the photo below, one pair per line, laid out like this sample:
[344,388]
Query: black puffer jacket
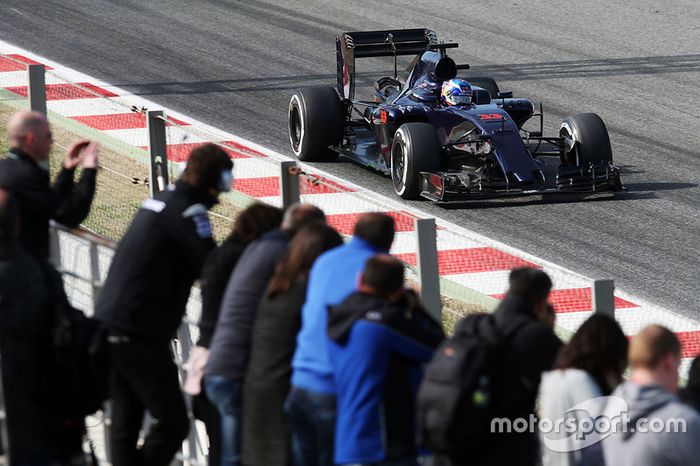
[535,347]
[230,346]
[215,275]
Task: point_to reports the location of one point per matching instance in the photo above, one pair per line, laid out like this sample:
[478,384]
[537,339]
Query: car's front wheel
[586,140]
[415,149]
[316,121]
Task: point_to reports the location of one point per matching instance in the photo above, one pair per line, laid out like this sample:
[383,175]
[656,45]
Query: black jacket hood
[355,307]
[406,316]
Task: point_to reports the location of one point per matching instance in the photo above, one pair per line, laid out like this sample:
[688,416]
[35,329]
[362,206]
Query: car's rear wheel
[586,140]
[316,121]
[415,149]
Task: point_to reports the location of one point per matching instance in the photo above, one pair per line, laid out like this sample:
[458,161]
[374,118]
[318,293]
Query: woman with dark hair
[589,367]
[266,439]
[249,225]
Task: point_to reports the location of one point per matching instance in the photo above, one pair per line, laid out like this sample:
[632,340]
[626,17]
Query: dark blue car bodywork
[484,150]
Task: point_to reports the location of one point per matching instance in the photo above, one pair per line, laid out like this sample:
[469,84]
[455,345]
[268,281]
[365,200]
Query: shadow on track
[636,187]
[282,83]
[593,68]
[546,199]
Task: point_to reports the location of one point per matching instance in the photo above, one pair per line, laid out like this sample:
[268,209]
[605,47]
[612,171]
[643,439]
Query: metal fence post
[428,272]
[191,455]
[54,246]
[158,174]
[95,276]
[289,183]
[603,297]
[37,88]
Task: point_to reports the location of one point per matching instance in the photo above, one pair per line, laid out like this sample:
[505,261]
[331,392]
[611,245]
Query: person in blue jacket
[380,338]
[310,406]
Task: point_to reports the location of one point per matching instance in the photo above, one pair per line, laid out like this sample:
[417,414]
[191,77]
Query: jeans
[145,377]
[312,424]
[226,395]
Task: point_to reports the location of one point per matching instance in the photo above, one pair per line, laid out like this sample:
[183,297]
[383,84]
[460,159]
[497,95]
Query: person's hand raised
[91,155]
[84,153]
[73,157]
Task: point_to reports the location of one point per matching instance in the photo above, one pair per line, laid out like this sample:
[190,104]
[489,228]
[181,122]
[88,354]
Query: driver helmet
[456,92]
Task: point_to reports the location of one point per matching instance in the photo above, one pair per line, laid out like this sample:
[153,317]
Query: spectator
[310,405]
[250,224]
[649,395]
[25,172]
[36,436]
[533,347]
[588,367]
[380,337]
[265,433]
[691,393]
[143,301]
[230,346]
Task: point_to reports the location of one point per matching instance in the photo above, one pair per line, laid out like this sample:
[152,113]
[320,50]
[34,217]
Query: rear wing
[389,43]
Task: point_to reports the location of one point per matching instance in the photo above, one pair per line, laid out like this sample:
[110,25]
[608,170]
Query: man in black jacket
[533,347]
[25,172]
[143,302]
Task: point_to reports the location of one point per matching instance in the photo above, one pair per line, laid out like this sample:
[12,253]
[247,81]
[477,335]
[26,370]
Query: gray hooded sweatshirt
[672,434]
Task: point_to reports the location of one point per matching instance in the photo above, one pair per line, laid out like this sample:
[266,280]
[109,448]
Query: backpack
[468,382]
[81,361]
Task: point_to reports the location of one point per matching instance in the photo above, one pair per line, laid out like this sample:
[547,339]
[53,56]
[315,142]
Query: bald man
[25,172]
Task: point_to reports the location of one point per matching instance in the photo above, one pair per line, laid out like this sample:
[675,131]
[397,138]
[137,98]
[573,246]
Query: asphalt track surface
[234,64]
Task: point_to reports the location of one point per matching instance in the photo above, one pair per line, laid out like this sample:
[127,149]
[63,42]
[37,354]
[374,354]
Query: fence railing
[83,259]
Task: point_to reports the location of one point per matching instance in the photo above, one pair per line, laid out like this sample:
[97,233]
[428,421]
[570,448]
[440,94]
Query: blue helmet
[456,91]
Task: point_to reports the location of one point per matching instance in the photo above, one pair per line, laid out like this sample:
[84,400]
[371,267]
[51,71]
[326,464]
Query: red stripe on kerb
[472,260]
[345,223]
[690,342]
[120,121]
[576,300]
[258,187]
[181,152]
[11,63]
[67,91]
[270,186]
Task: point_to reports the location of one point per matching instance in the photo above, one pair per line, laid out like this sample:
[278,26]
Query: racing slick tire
[486,83]
[415,149]
[316,121]
[586,140]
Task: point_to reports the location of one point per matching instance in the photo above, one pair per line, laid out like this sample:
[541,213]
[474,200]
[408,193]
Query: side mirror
[505,95]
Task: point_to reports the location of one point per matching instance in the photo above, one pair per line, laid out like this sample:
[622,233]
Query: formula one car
[443,153]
